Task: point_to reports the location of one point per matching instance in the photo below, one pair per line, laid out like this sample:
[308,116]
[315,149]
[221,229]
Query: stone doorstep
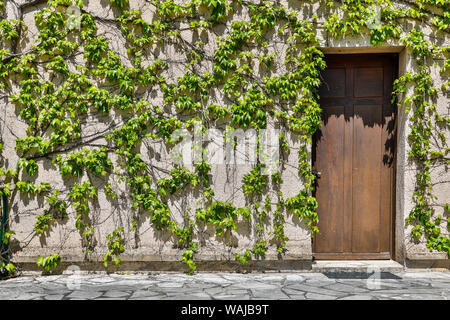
[360,266]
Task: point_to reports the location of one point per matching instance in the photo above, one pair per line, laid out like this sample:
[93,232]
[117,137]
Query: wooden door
[354,153]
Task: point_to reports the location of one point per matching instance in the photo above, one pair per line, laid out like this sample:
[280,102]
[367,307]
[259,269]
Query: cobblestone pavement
[229,286]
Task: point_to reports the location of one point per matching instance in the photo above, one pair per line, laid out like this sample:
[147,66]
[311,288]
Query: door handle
[316,173]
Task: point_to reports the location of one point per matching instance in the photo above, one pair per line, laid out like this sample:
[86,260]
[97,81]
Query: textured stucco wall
[150,245]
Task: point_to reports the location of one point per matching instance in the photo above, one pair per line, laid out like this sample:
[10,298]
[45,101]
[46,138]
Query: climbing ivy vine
[55,95]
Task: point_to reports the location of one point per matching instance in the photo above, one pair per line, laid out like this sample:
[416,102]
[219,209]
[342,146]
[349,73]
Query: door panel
[368,82]
[354,152]
[366,178]
[334,79]
[332,152]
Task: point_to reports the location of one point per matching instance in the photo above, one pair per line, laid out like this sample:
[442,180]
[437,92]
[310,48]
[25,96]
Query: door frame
[394,219]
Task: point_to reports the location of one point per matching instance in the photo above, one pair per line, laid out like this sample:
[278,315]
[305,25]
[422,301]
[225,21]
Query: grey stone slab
[183,293]
[276,279]
[235,277]
[317,276]
[428,275]
[198,295]
[213,291]
[30,289]
[443,285]
[422,297]
[254,285]
[386,285]
[84,295]
[294,278]
[16,286]
[268,294]
[18,280]
[357,297]
[54,286]
[201,285]
[292,292]
[54,297]
[48,278]
[194,296]
[228,291]
[158,297]
[129,283]
[214,280]
[319,283]
[183,290]
[108,287]
[170,284]
[312,289]
[26,296]
[146,293]
[318,296]
[403,291]
[175,278]
[104,279]
[116,294]
[140,277]
[345,288]
[232,297]
[295,297]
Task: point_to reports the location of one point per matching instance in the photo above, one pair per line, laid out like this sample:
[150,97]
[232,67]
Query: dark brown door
[354,153]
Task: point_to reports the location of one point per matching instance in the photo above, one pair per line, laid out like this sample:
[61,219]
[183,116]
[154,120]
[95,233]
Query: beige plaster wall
[147,244]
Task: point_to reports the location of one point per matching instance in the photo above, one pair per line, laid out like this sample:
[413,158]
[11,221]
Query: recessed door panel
[353,151]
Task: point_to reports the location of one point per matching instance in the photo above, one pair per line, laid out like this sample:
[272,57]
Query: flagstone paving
[429,285]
